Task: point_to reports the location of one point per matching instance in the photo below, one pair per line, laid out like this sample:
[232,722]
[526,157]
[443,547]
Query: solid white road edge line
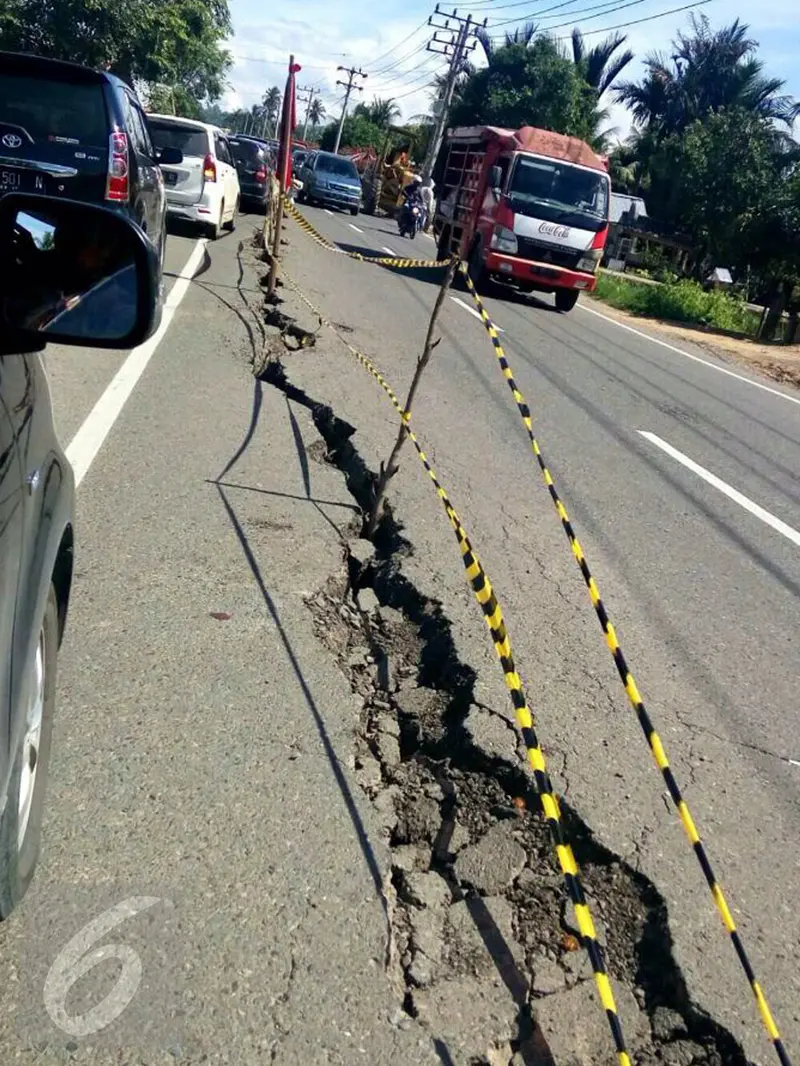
[744,501]
[688,355]
[390,251]
[350,224]
[87,442]
[473,312]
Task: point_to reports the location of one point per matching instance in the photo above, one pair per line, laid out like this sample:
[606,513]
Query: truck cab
[527,207]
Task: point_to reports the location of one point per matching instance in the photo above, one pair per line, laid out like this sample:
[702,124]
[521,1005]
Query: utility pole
[308,102]
[352,73]
[456,46]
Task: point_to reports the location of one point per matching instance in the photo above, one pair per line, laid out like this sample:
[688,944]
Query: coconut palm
[522,35]
[598,66]
[271,103]
[707,71]
[382,111]
[316,112]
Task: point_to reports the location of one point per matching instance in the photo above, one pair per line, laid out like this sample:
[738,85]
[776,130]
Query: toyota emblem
[12,140]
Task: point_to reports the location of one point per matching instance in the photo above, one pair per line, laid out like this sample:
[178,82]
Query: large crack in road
[482,942]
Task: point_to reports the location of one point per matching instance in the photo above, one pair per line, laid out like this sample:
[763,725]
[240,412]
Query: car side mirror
[75,273]
[496,181]
[170,156]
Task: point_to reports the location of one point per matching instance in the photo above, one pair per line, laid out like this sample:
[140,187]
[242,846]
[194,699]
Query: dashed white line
[430,236]
[689,355]
[87,442]
[473,312]
[327,212]
[733,494]
[391,251]
[350,224]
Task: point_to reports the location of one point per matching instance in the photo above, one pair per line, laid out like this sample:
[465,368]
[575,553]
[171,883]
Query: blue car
[331,180]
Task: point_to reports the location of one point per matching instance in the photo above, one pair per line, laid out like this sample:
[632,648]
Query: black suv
[67,130]
[253,159]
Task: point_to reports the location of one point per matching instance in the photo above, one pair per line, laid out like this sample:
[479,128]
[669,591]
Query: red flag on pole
[288,123]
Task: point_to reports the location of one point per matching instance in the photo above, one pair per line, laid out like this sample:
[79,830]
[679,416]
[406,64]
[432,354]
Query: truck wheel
[566,299]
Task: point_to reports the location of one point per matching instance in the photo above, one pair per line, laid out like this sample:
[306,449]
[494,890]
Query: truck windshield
[556,191]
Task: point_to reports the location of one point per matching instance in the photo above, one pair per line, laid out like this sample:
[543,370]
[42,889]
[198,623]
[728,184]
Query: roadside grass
[678,301]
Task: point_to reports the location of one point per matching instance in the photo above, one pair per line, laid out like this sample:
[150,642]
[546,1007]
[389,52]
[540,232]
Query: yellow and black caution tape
[493,617]
[388,261]
[631,689]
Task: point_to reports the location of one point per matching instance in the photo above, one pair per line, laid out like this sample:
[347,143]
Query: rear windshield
[55,110]
[246,151]
[333,164]
[189,139]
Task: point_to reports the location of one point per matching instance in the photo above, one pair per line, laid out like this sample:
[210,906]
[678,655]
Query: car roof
[27,63]
[194,123]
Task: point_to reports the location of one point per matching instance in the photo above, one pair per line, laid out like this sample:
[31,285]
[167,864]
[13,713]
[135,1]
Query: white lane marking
[696,358]
[327,212]
[350,224]
[391,251]
[473,312]
[87,442]
[430,236]
[744,501]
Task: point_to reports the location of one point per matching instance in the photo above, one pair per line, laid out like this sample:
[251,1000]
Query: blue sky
[352,33]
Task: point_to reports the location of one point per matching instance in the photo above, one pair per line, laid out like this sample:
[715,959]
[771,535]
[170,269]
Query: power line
[607,7]
[621,25]
[401,59]
[399,44]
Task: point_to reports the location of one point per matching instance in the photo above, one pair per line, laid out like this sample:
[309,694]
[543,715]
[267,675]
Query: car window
[340,168]
[191,140]
[141,132]
[134,129]
[222,150]
[54,110]
[247,152]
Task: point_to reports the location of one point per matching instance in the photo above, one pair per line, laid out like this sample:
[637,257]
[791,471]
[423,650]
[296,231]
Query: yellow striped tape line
[493,617]
[631,689]
[393,261]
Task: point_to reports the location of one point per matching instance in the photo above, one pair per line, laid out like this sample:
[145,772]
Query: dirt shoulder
[779,362]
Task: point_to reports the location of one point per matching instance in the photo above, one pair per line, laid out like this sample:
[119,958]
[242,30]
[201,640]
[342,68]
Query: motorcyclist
[412,197]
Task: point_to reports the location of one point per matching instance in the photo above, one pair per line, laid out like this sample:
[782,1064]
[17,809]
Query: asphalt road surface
[203,738]
[682,476]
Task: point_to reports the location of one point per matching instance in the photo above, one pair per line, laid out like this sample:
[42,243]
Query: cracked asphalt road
[705,596]
[207,758]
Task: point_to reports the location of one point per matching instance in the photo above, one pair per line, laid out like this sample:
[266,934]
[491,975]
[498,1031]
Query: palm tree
[316,112]
[708,70]
[598,66]
[382,111]
[271,103]
[522,35]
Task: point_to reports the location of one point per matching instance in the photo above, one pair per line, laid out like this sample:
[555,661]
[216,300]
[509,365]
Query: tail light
[210,168]
[261,175]
[118,181]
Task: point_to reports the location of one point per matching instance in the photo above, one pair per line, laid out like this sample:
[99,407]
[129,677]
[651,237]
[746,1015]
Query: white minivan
[204,188]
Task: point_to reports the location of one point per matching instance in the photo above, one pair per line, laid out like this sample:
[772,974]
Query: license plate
[10,180]
[545,272]
[170,177]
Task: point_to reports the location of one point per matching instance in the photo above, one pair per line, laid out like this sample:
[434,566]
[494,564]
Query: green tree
[381,112]
[599,66]
[272,106]
[532,84]
[708,70]
[177,44]
[316,112]
[358,132]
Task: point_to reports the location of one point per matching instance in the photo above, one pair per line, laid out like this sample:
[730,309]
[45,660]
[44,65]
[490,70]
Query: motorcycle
[410,219]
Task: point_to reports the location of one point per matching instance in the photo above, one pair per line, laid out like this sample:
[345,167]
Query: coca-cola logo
[553,230]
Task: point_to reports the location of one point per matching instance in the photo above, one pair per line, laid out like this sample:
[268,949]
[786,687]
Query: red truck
[526,206]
